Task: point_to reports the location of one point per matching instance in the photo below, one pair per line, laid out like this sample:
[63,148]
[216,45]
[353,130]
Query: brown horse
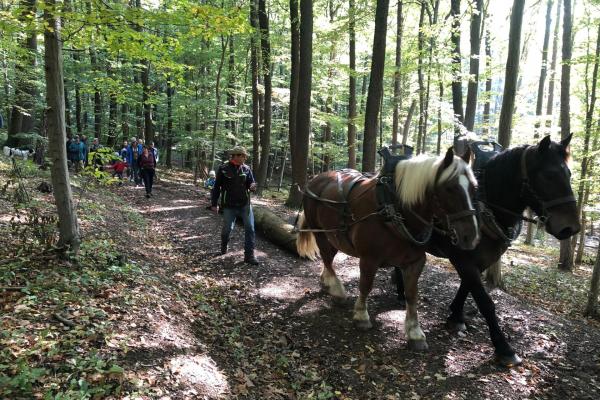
[386,220]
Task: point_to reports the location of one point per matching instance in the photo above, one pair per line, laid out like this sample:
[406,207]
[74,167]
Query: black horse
[527,176]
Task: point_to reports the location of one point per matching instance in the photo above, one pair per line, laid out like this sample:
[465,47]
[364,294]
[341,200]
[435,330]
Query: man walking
[233,185]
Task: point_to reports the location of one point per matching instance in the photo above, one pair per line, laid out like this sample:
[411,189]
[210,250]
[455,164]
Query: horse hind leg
[414,334]
[329,280]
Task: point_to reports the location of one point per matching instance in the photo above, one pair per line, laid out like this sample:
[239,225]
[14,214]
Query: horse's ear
[449,158]
[565,142]
[545,143]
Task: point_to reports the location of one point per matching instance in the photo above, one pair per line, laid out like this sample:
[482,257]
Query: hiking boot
[223,248]
[147,195]
[251,260]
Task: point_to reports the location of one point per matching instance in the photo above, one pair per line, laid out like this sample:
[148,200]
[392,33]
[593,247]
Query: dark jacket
[233,185]
[147,162]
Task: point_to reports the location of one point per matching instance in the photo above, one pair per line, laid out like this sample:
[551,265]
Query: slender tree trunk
[409,115]
[112,114]
[488,83]
[494,273]
[300,158]
[397,77]
[591,308]
[23,112]
[589,116]
[67,111]
[169,144]
[217,102]
[148,122]
[67,217]
[255,63]
[473,86]
[352,88]
[420,45]
[457,97]
[231,86]
[551,79]
[375,87]
[565,262]
[294,75]
[265,140]
[329,99]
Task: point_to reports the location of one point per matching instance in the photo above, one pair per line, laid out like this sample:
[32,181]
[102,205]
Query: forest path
[214,327]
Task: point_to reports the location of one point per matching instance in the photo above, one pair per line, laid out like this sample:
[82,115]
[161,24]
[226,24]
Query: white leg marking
[333,284]
[360,309]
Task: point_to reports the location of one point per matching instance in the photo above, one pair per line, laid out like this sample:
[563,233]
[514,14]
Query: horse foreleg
[414,333]
[456,320]
[504,352]
[367,274]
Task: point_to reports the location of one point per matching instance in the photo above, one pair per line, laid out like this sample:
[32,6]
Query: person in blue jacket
[233,185]
[134,151]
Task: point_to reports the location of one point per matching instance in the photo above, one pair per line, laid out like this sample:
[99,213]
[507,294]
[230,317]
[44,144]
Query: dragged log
[275,229]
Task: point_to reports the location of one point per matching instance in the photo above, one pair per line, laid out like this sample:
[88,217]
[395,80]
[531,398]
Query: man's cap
[238,150]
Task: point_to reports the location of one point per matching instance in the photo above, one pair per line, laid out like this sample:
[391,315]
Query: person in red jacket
[147,164]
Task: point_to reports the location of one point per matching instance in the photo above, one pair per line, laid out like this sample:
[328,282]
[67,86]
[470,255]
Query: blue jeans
[246,214]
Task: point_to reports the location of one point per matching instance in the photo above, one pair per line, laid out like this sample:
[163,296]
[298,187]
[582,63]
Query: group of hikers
[136,160]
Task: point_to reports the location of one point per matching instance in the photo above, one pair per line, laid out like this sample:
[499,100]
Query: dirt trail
[213,327]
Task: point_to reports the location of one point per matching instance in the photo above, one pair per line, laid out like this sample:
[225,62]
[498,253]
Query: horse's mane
[413,177]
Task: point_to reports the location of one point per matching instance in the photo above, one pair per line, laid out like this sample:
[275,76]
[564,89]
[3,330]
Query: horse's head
[547,186]
[454,187]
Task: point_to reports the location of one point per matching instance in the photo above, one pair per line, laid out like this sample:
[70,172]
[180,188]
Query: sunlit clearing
[200,372]
[284,289]
[393,318]
[161,209]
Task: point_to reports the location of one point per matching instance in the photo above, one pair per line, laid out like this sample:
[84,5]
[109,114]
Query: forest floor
[152,311]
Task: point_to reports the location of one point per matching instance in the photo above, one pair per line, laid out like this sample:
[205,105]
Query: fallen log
[275,229]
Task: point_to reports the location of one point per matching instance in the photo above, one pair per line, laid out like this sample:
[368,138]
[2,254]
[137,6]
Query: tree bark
[457,97]
[148,122]
[420,46]
[300,158]
[169,144]
[397,77]
[375,87]
[550,106]
[22,113]
[488,84]
[494,273]
[69,238]
[265,137]
[352,85]
[294,74]
[255,67]
[213,160]
[409,115]
[473,86]
[591,308]
[565,262]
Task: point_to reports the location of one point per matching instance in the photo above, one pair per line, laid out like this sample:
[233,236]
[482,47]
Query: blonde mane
[415,176]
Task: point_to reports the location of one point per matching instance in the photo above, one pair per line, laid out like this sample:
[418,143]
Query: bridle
[527,189]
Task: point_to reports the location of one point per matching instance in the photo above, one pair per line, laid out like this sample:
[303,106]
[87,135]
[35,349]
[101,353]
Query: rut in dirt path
[273,334]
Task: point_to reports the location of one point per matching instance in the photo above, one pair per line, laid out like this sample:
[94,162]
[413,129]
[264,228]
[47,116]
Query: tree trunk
[457,98]
[265,139]
[300,158]
[409,115]
[148,122]
[589,116]
[231,86]
[375,87]
[112,114]
[67,111]
[494,273]
[352,86]
[397,77]
[420,45]
[23,111]
[294,74]
[255,66]
[473,86]
[488,83]
[213,153]
[329,100]
[565,262]
[591,309]
[67,218]
[550,106]
[169,144]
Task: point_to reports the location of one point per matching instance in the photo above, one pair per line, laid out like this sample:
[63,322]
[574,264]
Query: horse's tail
[306,244]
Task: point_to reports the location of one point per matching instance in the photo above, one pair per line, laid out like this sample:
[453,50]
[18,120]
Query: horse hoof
[509,361]
[363,325]
[455,327]
[417,345]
